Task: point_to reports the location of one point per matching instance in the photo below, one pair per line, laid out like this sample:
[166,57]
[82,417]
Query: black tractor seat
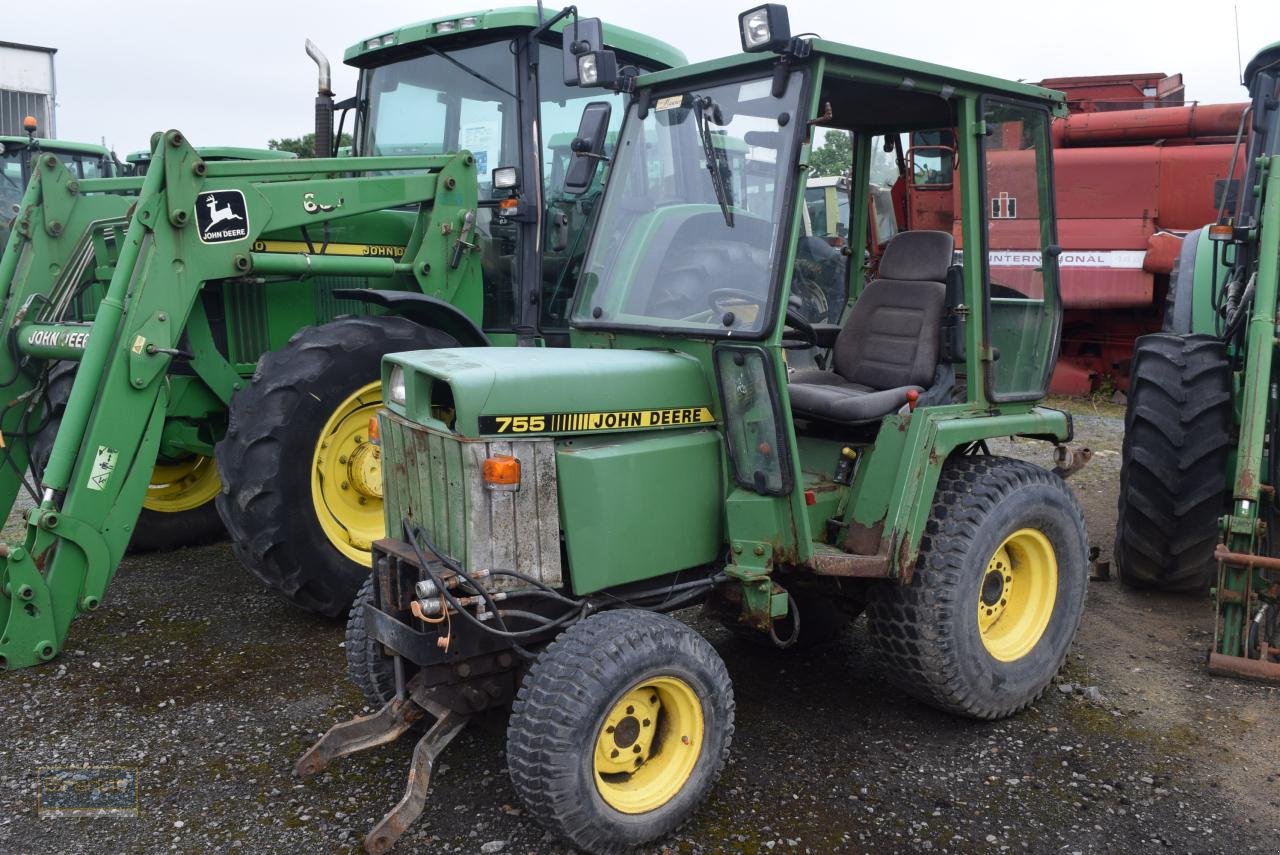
[889,344]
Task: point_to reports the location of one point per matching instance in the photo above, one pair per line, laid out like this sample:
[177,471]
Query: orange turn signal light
[375,433]
[501,472]
[1221,231]
[29,124]
[508,206]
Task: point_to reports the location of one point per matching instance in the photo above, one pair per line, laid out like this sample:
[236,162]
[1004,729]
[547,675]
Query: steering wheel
[717,296]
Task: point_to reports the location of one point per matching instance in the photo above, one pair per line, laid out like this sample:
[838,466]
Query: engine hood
[500,391]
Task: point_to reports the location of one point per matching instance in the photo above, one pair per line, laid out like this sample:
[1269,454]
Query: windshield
[692,217]
[429,105]
[11,183]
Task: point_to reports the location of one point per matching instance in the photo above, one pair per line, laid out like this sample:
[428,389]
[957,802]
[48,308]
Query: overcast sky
[234,72]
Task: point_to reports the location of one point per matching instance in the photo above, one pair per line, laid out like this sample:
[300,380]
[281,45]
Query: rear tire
[620,688]
[1173,464]
[269,459]
[997,594]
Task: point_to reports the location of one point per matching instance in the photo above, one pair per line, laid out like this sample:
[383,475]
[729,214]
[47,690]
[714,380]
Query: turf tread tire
[572,685]
[1173,463]
[266,504]
[921,630]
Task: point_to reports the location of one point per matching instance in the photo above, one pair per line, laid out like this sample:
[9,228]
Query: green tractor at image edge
[1201,455]
[263,323]
[547,508]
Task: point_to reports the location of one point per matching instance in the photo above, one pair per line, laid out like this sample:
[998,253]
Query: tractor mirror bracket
[588,147]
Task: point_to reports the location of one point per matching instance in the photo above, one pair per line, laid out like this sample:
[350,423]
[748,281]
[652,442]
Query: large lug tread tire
[1173,463]
[155,531]
[562,704]
[265,460]
[372,671]
[927,631]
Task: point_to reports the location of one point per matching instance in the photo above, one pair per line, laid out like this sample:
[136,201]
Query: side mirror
[588,147]
[583,36]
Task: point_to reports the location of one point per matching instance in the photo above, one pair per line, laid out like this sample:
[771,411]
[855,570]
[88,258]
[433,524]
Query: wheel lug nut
[346,486]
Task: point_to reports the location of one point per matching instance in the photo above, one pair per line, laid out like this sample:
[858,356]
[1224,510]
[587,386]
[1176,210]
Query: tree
[304,146]
[833,157]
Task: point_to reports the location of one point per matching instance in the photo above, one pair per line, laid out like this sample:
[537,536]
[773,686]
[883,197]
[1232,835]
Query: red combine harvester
[1135,169]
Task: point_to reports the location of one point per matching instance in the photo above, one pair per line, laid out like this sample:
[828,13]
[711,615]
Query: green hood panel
[524,390]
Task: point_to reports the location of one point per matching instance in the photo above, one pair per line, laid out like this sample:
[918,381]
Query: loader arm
[162,239]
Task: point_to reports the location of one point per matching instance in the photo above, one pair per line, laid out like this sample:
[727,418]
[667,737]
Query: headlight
[469,23]
[505,177]
[395,386]
[446,26]
[588,71]
[755,28]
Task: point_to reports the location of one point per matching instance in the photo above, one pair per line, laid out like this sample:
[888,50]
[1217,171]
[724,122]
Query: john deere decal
[574,422]
[221,216]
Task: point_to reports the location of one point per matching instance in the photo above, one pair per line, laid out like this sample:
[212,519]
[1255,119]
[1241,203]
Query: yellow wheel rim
[648,745]
[183,485]
[346,478]
[1017,595]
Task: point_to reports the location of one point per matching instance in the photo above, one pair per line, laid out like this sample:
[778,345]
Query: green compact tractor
[547,508]
[1201,457]
[275,288]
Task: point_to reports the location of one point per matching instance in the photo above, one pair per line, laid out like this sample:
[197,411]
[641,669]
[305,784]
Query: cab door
[1022,305]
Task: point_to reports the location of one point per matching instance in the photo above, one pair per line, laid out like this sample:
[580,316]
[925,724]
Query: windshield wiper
[707,111]
[462,65]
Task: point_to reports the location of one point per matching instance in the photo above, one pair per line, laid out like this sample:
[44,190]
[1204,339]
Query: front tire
[372,670]
[997,594]
[302,487]
[620,729]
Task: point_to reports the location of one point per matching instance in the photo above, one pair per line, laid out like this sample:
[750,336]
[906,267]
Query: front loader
[275,446]
[1201,456]
[149,363]
[546,511]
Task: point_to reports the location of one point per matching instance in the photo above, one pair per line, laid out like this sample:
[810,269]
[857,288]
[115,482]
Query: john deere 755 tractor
[546,508]
[273,369]
[1201,457]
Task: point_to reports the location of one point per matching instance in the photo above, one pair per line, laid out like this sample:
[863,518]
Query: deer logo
[221,215]
[217,215]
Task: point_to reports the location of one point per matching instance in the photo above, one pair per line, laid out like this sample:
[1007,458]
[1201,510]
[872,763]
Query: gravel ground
[194,674]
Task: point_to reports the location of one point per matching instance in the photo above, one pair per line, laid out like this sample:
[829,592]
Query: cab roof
[904,72]
[523,17]
[59,146]
[1267,57]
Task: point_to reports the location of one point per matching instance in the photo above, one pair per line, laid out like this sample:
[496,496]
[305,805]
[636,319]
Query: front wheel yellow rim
[648,745]
[182,485]
[1017,595]
[346,477]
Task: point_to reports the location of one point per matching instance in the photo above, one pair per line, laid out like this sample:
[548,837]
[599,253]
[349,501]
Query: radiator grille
[434,479]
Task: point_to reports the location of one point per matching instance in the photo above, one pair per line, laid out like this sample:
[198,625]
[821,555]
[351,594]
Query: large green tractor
[270,437]
[546,508]
[1201,457]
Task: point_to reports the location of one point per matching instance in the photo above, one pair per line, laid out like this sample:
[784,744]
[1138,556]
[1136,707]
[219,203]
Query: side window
[568,218]
[819,280]
[1023,307]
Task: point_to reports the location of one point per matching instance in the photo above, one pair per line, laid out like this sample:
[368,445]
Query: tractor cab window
[691,223]
[932,159]
[429,105]
[1022,267]
[11,184]
[568,217]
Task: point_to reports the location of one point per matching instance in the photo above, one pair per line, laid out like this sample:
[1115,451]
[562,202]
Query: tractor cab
[553,504]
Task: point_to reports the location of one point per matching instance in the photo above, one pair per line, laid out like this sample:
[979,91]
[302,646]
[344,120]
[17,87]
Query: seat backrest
[891,336]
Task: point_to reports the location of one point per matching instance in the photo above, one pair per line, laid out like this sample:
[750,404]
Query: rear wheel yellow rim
[648,745]
[182,485]
[346,477]
[1017,595]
